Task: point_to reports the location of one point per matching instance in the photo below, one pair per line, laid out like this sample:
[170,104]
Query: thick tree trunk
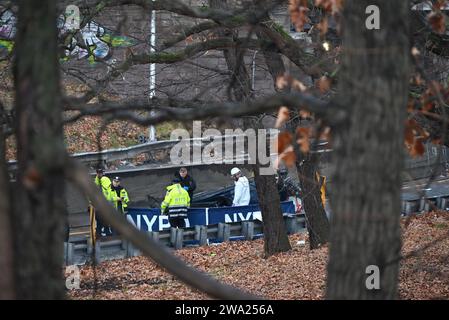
[275,232]
[40,207]
[6,241]
[373,83]
[317,222]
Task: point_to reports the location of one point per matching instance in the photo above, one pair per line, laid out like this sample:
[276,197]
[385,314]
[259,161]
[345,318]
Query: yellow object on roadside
[323,187]
[93,225]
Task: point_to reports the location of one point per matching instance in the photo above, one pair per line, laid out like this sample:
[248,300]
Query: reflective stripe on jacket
[122,194]
[176,196]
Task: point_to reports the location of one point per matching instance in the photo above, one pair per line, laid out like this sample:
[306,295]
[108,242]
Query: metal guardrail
[203,235]
[133,151]
[178,238]
[111,155]
[425,204]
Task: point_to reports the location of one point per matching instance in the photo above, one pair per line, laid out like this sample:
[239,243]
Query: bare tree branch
[165,58]
[194,278]
[124,110]
[198,28]
[182,8]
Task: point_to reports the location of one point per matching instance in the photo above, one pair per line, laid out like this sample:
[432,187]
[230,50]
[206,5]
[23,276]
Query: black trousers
[177,221]
[100,225]
[176,216]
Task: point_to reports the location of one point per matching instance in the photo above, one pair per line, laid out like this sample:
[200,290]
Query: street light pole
[152,129]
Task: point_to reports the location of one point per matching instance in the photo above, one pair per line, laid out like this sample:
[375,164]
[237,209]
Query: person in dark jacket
[187,181]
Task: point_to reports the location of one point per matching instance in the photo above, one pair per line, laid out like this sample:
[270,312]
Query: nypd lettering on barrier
[151,219]
[155,223]
[149,222]
[134,223]
[164,223]
[238,216]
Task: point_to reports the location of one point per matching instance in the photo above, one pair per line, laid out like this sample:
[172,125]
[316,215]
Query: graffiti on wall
[97,42]
[7,32]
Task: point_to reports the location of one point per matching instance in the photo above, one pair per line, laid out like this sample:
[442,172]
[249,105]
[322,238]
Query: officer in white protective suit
[241,190]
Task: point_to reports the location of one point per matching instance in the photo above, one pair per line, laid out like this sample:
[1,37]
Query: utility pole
[152,129]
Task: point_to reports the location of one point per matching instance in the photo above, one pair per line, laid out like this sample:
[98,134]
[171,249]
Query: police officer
[104,183]
[119,196]
[175,203]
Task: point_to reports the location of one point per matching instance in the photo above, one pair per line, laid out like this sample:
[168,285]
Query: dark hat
[116,178]
[100,170]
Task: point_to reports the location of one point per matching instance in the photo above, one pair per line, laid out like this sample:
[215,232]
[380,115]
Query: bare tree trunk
[6,241]
[275,232]
[373,83]
[317,222]
[274,229]
[40,207]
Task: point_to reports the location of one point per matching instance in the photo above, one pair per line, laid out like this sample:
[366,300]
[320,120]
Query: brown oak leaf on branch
[298,13]
[437,21]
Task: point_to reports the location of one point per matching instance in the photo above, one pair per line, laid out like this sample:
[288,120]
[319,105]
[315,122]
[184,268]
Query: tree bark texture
[40,209]
[373,84]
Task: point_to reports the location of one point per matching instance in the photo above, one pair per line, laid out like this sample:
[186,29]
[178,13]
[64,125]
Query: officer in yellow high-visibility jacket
[105,185]
[176,202]
[120,196]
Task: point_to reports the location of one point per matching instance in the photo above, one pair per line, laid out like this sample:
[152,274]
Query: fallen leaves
[82,135]
[297,274]
[426,274]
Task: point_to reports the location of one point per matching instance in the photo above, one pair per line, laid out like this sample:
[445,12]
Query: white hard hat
[234,171]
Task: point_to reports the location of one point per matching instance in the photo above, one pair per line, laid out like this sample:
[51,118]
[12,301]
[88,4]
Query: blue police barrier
[152,220]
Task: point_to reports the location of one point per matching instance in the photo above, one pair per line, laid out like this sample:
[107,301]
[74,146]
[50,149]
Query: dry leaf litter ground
[297,274]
